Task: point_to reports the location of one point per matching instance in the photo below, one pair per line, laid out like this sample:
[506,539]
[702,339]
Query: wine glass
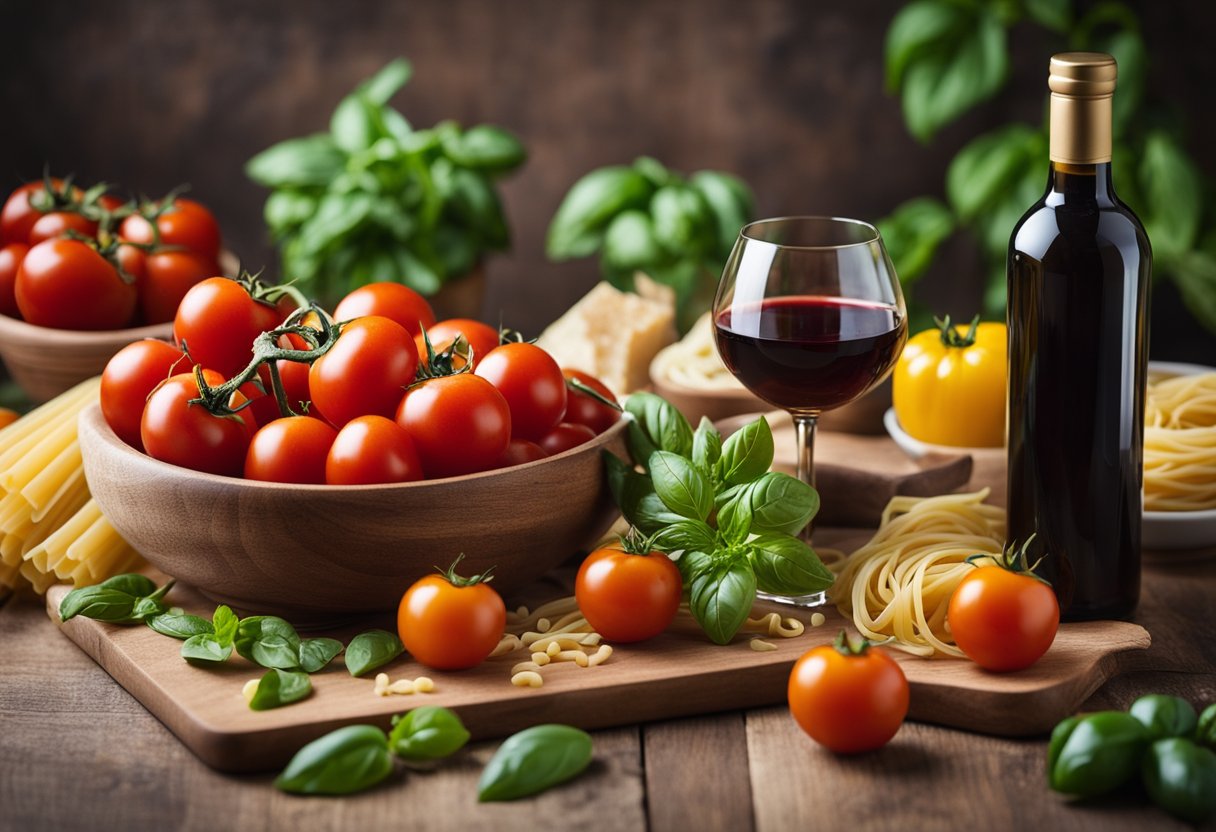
[809,316]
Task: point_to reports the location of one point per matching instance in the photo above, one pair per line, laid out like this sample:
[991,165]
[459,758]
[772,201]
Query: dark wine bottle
[1078,270]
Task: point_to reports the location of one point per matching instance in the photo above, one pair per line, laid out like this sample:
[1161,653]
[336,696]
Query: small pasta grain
[817,619]
[250,689]
[402,686]
[600,656]
[576,656]
[553,649]
[527,679]
[381,684]
[424,684]
[789,628]
[543,625]
[540,659]
[523,666]
[509,644]
[761,646]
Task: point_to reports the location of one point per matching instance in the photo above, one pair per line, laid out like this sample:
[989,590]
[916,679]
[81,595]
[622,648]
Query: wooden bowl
[316,553]
[44,362]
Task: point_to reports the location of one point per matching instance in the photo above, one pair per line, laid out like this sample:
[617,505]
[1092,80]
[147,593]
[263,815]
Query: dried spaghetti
[1180,444]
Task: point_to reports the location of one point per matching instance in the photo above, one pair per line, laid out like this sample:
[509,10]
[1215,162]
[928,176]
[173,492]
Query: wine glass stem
[804,433]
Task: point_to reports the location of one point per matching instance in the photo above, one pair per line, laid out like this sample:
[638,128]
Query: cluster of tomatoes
[83,259]
[392,396]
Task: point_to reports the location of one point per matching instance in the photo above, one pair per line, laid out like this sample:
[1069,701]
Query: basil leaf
[344,761]
[657,426]
[268,641]
[384,84]
[735,521]
[225,622]
[180,625]
[912,234]
[654,170]
[353,123]
[98,603]
[916,32]
[630,243]
[146,608]
[651,514]
[721,597]
[680,486]
[474,200]
[372,649]
[277,688]
[687,536]
[534,760]
[297,163]
[730,202]
[1173,193]
[135,585]
[983,172]
[682,220]
[315,653]
[286,210]
[427,733]
[706,447]
[484,147]
[778,503]
[1195,276]
[578,226]
[747,453]
[785,565]
[205,649]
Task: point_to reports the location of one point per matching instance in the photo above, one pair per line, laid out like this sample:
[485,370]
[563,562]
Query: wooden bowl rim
[16,329]
[91,419]
[737,393]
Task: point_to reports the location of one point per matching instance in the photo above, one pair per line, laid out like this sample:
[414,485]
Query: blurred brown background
[786,93]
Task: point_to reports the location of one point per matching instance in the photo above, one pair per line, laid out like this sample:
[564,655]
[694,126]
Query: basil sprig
[729,522]
[370,650]
[214,647]
[123,599]
[534,760]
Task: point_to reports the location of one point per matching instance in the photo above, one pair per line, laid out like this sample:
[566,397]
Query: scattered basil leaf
[315,653]
[427,733]
[225,622]
[205,649]
[98,603]
[372,649]
[721,597]
[344,761]
[534,760]
[180,625]
[135,585]
[269,641]
[785,565]
[277,688]
[706,447]
[146,608]
[680,486]
[747,453]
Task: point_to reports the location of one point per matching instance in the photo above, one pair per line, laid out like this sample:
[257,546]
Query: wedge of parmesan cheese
[612,335]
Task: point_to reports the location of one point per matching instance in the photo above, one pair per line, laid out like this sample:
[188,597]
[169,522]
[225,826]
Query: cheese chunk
[612,335]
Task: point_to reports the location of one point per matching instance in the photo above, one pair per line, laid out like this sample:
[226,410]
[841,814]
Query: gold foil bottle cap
[1083,74]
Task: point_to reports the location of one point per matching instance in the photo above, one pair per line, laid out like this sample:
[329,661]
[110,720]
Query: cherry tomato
[451,623]
[564,437]
[169,275]
[518,452]
[67,285]
[8,416]
[531,382]
[292,449]
[130,377]
[18,215]
[217,322]
[57,224]
[372,449]
[481,337]
[460,424]
[1001,619]
[187,224]
[628,597]
[582,409]
[388,300]
[11,256]
[175,431]
[847,700]
[366,372]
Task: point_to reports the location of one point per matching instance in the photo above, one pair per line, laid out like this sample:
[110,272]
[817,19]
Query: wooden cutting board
[677,674]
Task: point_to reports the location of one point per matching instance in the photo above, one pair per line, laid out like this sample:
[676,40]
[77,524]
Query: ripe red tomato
[451,623]
[57,224]
[169,275]
[628,597]
[848,701]
[481,337]
[564,437]
[11,256]
[187,224]
[582,409]
[370,450]
[8,416]
[460,424]
[1001,619]
[175,431]
[18,216]
[67,285]
[366,372]
[217,322]
[531,382]
[130,377]
[518,452]
[292,449]
[388,300]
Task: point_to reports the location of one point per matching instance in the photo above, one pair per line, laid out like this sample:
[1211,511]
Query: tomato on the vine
[848,698]
[584,409]
[518,452]
[564,437]
[365,372]
[370,450]
[11,256]
[628,595]
[482,338]
[388,300]
[65,284]
[451,623]
[186,223]
[218,320]
[59,223]
[130,377]
[168,276]
[460,424]
[189,435]
[531,382]
[18,216]
[292,449]
[1003,616]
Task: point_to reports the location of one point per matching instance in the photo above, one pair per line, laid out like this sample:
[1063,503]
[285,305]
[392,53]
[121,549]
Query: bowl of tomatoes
[390,461]
[82,274]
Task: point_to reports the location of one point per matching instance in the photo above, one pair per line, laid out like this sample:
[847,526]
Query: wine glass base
[815,599]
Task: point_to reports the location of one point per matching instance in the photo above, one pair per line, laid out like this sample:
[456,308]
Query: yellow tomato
[949,386]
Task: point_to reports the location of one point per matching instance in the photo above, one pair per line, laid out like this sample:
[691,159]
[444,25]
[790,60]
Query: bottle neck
[1079,183]
[1080,129]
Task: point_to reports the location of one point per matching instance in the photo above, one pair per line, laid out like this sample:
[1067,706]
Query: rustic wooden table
[77,752]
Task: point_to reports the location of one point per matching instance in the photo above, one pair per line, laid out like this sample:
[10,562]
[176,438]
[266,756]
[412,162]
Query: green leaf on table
[277,688]
[730,202]
[225,622]
[534,760]
[97,603]
[657,426]
[315,653]
[912,234]
[180,625]
[344,761]
[205,649]
[1172,189]
[578,226]
[747,453]
[427,733]
[680,486]
[297,163]
[370,650]
[720,597]
[269,641]
[132,584]
[785,565]
[630,242]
